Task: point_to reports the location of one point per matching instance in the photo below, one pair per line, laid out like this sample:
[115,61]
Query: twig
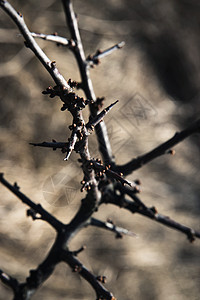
[76,266]
[95,59]
[59,40]
[100,168]
[138,162]
[111,227]
[151,213]
[31,43]
[86,83]
[71,144]
[56,224]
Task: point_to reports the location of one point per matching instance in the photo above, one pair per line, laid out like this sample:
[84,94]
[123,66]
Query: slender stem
[74,263]
[152,214]
[138,162]
[111,227]
[87,86]
[56,224]
[31,43]
[91,60]
[59,40]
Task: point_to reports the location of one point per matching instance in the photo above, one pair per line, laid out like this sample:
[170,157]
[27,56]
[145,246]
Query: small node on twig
[102,279]
[33,214]
[119,235]
[53,64]
[77,269]
[137,189]
[64,107]
[26,44]
[137,181]
[86,186]
[72,44]
[154,210]
[20,14]
[72,84]
[110,221]
[171,152]
[191,236]
[98,104]
[16,186]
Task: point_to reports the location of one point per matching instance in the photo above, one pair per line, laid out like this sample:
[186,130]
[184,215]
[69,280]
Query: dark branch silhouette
[164,148]
[102,179]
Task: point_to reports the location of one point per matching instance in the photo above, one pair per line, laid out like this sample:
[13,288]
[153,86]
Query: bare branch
[151,213]
[138,162]
[86,84]
[59,40]
[111,227]
[31,43]
[76,266]
[95,59]
[56,224]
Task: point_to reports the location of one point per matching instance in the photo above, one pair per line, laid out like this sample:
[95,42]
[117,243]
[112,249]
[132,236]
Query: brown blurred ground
[156,78]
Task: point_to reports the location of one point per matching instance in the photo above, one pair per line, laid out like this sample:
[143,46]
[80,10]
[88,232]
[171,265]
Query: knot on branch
[94,59]
[72,84]
[101,279]
[191,235]
[77,269]
[100,170]
[33,214]
[86,186]
[70,99]
[98,104]
[154,210]
[53,64]
[16,186]
[55,91]
[20,14]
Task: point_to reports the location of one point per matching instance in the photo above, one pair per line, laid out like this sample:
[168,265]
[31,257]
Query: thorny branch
[58,253]
[102,181]
[86,83]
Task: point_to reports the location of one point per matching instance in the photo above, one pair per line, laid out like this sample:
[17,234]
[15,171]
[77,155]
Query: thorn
[53,64]
[138,182]
[19,14]
[101,279]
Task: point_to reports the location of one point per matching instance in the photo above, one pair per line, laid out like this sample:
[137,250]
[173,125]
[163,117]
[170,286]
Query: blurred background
[156,78]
